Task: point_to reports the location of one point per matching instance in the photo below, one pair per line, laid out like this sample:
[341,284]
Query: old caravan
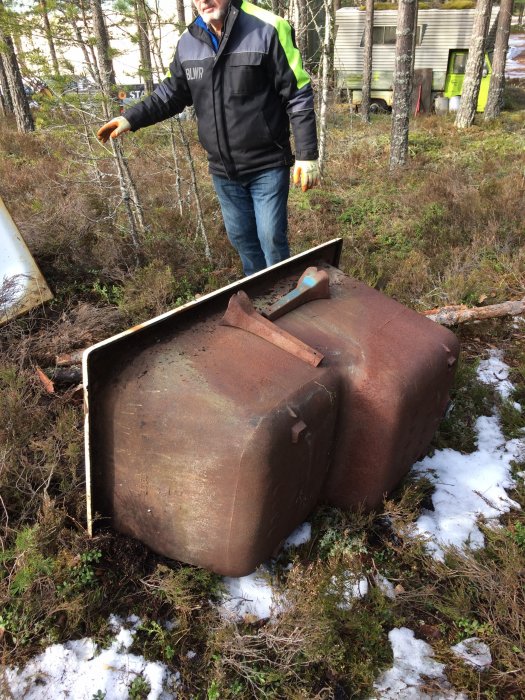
[443,38]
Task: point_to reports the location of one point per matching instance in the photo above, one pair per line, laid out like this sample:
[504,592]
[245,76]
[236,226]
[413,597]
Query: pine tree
[497,80]
[367,61]
[474,68]
[405,37]
[16,91]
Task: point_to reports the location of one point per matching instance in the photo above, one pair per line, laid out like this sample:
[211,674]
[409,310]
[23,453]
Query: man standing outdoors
[239,66]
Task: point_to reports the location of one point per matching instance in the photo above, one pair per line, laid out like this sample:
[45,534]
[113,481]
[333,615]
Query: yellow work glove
[114,128]
[307,173]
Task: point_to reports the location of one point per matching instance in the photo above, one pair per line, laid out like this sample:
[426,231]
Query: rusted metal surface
[22,286]
[211,444]
[313,284]
[396,370]
[195,442]
[241,314]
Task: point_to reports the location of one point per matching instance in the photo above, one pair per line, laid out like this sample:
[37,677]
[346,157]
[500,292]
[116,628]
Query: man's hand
[114,128]
[307,173]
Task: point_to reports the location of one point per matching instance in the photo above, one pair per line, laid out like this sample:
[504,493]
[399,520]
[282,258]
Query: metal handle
[241,314]
[313,284]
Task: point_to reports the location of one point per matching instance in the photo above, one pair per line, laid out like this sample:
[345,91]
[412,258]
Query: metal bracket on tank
[313,284]
[241,314]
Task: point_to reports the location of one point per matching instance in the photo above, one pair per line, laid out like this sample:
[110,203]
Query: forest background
[127,232]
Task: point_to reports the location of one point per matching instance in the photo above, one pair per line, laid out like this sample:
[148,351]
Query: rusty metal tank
[396,370]
[213,431]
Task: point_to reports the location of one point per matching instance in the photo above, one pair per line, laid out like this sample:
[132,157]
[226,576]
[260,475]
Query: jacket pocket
[246,74]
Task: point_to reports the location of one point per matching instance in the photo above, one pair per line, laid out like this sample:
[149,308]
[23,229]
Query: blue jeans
[254,209]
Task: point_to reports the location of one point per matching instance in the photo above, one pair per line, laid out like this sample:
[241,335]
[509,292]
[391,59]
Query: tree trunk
[497,80]
[302,28]
[201,228]
[23,116]
[17,43]
[88,45]
[406,28]
[325,80]
[178,189]
[91,65]
[367,61]
[105,64]
[181,14]
[474,68]
[49,37]
[6,102]
[141,11]
[128,190]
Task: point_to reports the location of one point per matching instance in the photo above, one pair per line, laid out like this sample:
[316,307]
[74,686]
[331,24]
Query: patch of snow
[414,666]
[350,587]
[385,586]
[79,669]
[251,595]
[473,485]
[475,652]
[467,487]
[299,536]
[495,372]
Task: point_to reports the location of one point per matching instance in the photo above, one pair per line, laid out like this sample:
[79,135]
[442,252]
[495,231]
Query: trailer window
[386,36]
[460,62]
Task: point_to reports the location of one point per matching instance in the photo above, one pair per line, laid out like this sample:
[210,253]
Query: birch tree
[401,100]
[474,68]
[21,110]
[497,80]
[367,61]
[326,54]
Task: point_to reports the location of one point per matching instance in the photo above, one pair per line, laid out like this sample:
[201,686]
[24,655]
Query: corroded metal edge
[330,252]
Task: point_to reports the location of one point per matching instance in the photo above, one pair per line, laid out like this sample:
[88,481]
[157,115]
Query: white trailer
[443,38]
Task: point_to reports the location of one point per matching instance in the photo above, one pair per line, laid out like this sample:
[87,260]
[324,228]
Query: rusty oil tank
[213,431]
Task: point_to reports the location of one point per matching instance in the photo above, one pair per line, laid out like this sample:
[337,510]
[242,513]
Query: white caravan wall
[22,286]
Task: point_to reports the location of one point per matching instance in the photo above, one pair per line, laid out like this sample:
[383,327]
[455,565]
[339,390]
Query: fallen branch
[452,315]
[67,375]
[69,358]
[45,381]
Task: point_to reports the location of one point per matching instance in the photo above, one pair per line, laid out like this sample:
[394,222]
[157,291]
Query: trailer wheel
[378,106]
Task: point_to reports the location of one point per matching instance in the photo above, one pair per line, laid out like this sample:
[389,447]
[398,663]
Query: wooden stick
[452,315]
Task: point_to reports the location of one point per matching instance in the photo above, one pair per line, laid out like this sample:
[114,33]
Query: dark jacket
[245,95]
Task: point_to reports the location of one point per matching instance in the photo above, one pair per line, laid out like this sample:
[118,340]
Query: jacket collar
[197,31]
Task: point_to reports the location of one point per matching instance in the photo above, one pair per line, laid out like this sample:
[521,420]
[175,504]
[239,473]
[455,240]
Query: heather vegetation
[446,229]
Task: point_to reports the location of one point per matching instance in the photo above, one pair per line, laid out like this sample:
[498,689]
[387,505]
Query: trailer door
[457,62]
